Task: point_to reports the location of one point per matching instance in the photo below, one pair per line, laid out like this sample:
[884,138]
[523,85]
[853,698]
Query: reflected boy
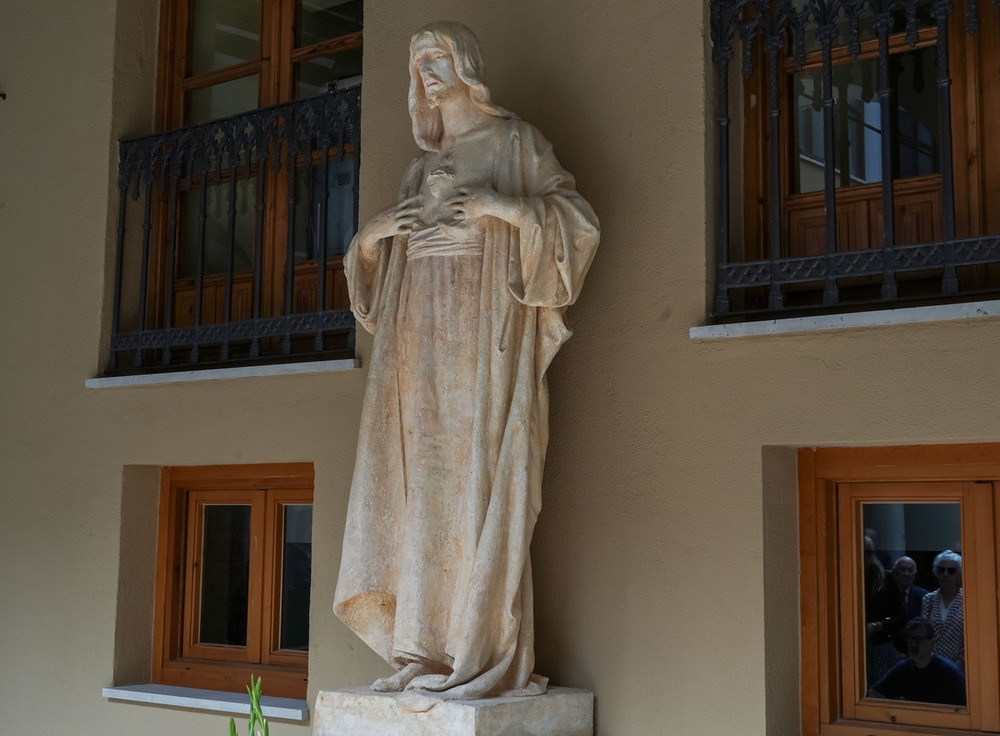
[923,677]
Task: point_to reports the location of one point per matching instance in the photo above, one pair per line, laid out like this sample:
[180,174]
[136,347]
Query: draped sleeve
[558,235]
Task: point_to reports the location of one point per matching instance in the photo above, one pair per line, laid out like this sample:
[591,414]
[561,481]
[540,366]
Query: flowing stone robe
[435,564]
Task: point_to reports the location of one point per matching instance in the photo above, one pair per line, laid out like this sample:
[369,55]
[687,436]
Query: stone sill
[214,374]
[288,709]
[911,315]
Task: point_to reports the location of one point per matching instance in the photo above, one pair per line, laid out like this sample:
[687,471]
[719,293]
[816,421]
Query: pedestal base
[360,712]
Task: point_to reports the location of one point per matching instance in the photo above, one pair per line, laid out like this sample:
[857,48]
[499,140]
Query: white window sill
[214,374]
[938,313]
[288,709]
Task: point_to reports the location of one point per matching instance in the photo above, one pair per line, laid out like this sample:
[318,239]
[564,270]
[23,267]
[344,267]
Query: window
[234,560]
[864,512]
[234,220]
[831,113]
[224,57]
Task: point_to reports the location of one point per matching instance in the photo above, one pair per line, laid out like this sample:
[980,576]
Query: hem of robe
[440,686]
[369,615]
[403,657]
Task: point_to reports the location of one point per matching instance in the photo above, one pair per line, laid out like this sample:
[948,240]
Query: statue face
[436,68]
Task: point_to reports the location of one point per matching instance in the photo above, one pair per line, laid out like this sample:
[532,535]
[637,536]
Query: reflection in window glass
[857,125]
[913,605]
[222,100]
[223,33]
[313,77]
[217,235]
[340,225]
[296,572]
[225,575]
[320,20]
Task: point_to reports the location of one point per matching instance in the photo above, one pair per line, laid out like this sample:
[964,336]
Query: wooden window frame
[974,101]
[278,55]
[830,609]
[276,69]
[178,658]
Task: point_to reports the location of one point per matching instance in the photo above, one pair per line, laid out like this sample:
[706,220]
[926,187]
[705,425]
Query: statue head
[463,48]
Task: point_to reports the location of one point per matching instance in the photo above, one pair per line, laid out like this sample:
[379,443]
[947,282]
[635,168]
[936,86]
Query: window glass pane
[217,229]
[314,76]
[223,33]
[857,121]
[340,227]
[913,604]
[225,574]
[914,113]
[222,100]
[296,572]
[320,20]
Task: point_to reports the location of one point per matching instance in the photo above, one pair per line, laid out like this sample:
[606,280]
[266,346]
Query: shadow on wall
[780,511]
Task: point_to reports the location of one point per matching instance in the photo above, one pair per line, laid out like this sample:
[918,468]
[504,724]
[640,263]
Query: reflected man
[906,599]
[904,572]
[924,676]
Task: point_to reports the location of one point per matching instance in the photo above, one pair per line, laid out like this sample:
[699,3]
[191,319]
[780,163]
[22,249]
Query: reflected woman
[880,616]
[943,608]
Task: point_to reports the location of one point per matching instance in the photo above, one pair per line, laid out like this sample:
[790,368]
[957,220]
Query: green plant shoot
[256,714]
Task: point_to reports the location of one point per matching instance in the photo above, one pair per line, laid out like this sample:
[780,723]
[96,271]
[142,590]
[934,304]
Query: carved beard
[440,94]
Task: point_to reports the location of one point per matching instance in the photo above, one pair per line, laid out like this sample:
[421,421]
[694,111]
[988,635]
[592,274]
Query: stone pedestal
[360,712]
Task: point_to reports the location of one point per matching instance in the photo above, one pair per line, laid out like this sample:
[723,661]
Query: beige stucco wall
[668,530]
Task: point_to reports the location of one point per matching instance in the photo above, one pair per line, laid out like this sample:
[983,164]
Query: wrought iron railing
[230,239]
[768,37]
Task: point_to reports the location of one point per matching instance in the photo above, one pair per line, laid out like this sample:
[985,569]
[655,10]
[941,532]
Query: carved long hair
[464,48]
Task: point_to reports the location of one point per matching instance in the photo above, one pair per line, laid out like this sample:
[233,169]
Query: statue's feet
[397,683]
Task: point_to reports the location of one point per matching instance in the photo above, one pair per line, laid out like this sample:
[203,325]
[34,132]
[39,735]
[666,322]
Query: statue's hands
[400,218]
[471,203]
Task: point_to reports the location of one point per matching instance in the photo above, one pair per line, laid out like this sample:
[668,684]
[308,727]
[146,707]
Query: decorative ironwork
[765,32]
[903,258]
[255,148]
[294,325]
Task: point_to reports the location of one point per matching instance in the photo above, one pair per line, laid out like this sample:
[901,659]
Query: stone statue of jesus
[463,282]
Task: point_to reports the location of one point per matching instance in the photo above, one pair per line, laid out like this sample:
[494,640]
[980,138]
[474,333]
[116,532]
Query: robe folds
[481,626]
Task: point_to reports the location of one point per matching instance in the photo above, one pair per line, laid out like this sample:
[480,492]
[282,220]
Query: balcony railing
[231,236]
[790,65]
